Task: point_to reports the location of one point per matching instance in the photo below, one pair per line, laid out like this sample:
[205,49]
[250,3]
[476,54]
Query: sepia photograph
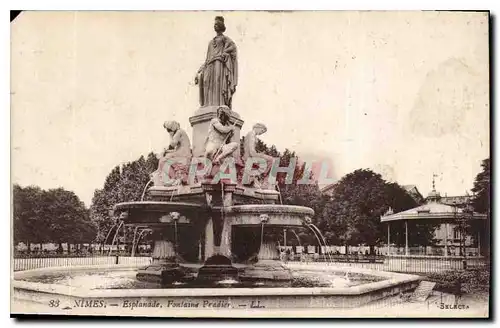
[250,164]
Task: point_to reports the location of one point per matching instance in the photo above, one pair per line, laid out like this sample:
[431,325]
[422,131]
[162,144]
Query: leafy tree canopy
[54,215]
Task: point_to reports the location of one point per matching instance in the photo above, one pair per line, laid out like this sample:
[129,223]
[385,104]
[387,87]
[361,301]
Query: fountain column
[163,251]
[209,239]
[268,266]
[268,251]
[227,200]
[225,242]
[218,263]
[165,266]
[218,227]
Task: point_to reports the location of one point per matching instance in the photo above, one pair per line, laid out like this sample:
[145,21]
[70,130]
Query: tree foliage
[123,184]
[360,198]
[481,189]
[54,215]
[481,204]
[67,218]
[29,224]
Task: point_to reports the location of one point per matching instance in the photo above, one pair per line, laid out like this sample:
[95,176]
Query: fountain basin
[157,206]
[278,215]
[160,215]
[153,212]
[167,301]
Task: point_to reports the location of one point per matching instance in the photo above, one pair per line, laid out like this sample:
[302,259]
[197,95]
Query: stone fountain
[206,201]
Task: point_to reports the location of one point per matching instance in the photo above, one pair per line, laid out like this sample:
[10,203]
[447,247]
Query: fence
[408,264]
[342,258]
[43,262]
[431,264]
[453,250]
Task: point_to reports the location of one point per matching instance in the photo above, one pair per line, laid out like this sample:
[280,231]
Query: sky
[403,93]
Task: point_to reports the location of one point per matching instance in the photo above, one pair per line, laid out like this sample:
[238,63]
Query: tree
[68,218]
[481,204]
[29,223]
[55,215]
[356,206]
[352,216]
[481,189]
[123,184]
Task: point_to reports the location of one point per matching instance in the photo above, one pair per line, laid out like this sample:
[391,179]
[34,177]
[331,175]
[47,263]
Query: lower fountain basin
[154,212]
[119,288]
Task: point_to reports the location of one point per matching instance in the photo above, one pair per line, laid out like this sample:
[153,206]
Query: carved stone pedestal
[268,266]
[165,269]
[200,122]
[162,273]
[163,251]
[217,268]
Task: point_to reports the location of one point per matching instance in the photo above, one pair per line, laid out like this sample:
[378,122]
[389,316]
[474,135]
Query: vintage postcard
[251,164]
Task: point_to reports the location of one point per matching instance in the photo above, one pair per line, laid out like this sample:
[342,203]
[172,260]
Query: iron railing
[64,261]
[418,264]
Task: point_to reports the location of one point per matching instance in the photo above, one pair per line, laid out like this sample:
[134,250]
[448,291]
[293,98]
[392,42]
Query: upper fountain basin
[154,212]
[268,214]
[157,212]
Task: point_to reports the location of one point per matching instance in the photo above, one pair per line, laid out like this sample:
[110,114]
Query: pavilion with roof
[432,212]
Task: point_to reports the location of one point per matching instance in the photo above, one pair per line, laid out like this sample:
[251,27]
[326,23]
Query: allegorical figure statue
[217,144]
[250,150]
[218,76]
[178,151]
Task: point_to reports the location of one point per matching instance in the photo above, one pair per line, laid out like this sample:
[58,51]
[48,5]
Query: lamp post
[284,237]
[458,219]
[468,214]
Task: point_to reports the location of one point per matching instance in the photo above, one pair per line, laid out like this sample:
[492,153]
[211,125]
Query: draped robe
[219,73]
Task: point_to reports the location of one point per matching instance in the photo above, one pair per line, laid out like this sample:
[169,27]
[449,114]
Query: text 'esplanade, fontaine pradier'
[175,304]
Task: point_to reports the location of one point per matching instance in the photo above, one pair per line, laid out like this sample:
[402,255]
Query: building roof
[328,187]
[433,196]
[434,211]
[412,190]
[409,187]
[457,200]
